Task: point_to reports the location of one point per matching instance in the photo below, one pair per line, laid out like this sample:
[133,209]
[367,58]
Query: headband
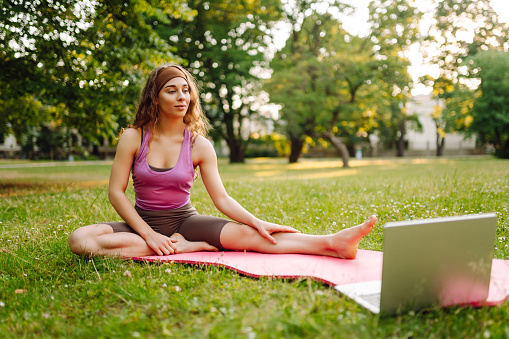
[166,74]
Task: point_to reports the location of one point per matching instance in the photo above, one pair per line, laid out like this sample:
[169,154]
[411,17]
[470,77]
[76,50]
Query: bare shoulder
[203,149]
[202,142]
[131,133]
[130,139]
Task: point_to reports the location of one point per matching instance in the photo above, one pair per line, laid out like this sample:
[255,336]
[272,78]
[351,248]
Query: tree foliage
[77,65]
[299,81]
[224,46]
[454,101]
[490,111]
[35,39]
[394,28]
[460,30]
[334,85]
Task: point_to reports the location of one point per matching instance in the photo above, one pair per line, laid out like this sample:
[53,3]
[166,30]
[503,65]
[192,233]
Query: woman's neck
[170,127]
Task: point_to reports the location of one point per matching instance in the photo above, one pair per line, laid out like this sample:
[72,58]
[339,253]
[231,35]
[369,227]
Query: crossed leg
[100,239]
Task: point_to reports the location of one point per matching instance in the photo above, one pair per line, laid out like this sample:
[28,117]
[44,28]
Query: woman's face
[174,98]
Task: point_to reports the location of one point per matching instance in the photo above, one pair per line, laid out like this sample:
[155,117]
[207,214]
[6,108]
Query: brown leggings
[184,220]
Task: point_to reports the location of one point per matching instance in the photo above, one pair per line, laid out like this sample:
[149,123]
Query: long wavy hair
[147,113]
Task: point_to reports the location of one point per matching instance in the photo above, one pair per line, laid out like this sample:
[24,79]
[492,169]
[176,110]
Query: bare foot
[345,243]
[184,246]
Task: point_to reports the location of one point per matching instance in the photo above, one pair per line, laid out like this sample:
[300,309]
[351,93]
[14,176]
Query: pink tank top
[156,191]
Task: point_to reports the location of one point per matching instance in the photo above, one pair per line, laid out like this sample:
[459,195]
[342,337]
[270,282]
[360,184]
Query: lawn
[46,291]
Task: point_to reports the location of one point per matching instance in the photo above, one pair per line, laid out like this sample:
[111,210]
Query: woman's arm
[205,157]
[127,148]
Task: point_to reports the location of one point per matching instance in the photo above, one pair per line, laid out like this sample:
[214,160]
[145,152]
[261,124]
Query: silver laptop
[432,262]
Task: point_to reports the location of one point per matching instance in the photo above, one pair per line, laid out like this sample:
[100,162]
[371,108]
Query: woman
[163,148]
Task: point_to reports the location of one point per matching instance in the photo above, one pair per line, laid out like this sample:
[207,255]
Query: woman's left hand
[266,229]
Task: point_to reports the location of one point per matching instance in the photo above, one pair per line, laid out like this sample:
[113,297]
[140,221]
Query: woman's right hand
[161,244]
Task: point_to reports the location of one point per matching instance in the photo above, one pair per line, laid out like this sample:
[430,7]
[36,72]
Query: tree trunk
[233,141]
[400,145]
[340,148]
[31,153]
[236,151]
[296,148]
[69,148]
[440,145]
[503,150]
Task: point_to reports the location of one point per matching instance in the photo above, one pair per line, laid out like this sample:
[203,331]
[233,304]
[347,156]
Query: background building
[423,143]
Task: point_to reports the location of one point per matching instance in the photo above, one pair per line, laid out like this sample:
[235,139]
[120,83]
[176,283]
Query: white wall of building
[9,146]
[423,106]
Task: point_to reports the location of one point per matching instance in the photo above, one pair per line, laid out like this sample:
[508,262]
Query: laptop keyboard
[372,298]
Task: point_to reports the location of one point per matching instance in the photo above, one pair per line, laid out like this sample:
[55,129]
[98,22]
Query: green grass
[69,296]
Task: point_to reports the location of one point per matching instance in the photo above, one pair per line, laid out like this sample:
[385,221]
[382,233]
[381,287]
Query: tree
[35,38]
[354,72]
[454,102]
[394,28]
[117,51]
[299,79]
[325,78]
[292,92]
[72,64]
[490,111]
[297,82]
[394,121]
[460,30]
[224,45]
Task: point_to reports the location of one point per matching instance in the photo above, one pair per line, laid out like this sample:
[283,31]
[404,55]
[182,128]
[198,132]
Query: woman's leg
[343,244]
[100,239]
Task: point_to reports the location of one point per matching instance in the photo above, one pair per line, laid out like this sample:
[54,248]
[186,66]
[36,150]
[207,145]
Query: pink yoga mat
[333,271]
